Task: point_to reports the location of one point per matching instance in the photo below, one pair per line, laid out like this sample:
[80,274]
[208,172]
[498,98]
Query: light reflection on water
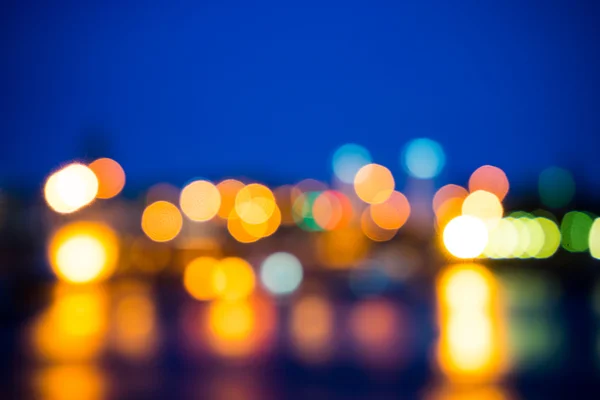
[491,326]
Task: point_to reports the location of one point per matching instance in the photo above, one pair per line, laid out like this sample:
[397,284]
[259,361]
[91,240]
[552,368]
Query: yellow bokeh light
[161,221]
[111,177]
[552,238]
[238,276]
[594,239]
[491,179]
[392,213]
[503,240]
[200,201]
[228,189]
[239,328]
[374,183]
[536,236]
[311,327]
[523,236]
[202,279]
[485,206]
[465,236]
[83,252]
[71,188]
[471,345]
[255,203]
[74,327]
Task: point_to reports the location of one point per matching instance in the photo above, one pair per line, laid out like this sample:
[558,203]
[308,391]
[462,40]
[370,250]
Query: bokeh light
[491,179]
[70,382]
[556,187]
[71,188]
[485,206]
[503,240]
[200,200]
[238,278]
[237,229]
[228,189]
[202,279]
[161,221]
[312,328]
[374,183]
[423,158]
[255,203]
[471,346]
[373,231]
[240,328]
[342,248]
[302,211]
[348,159]
[74,327]
[135,333]
[392,213]
[111,177]
[594,240]
[446,193]
[552,238]
[331,210]
[465,236]
[281,273]
[82,252]
[448,210]
[575,229]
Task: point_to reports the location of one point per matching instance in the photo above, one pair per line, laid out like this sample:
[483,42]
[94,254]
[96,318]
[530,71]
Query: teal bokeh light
[348,159]
[423,158]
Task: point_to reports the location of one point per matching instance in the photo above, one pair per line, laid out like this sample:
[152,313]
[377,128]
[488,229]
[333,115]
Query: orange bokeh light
[374,183]
[392,213]
[491,179]
[161,221]
[448,192]
[111,177]
[229,189]
[448,210]
[202,278]
[374,231]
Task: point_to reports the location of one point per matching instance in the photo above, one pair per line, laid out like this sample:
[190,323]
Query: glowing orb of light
[255,203]
[556,187]
[485,206]
[348,159]
[552,237]
[202,279]
[594,239]
[374,183]
[111,177]
[200,201]
[491,179]
[83,252]
[281,273]
[446,193]
[238,276]
[465,236]
[392,213]
[228,189]
[71,188]
[161,221]
[423,158]
[575,228]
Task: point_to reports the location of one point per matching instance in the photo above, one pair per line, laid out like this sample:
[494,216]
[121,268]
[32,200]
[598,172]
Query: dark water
[142,339]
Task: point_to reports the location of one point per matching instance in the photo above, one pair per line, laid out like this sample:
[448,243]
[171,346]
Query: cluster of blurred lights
[363,203]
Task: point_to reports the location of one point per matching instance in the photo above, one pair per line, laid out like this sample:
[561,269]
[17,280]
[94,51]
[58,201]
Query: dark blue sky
[221,88]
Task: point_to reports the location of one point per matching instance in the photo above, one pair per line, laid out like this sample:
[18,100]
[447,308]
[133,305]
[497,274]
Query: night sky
[214,88]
